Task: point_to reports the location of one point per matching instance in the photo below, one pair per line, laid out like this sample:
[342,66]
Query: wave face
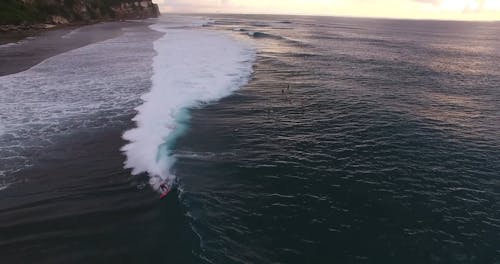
[193,66]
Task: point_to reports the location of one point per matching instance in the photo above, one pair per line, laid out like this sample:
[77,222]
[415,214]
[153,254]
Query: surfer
[165,190]
[164,187]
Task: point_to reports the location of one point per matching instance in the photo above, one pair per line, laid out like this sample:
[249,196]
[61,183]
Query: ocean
[287,139]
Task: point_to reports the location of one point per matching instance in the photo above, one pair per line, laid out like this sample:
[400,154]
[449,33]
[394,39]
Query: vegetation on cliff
[17,12]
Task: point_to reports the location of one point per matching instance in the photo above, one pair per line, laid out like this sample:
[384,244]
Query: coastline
[33,16]
[14,33]
[23,50]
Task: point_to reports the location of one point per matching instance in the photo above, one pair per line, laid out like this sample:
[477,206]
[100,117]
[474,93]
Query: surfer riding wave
[165,190]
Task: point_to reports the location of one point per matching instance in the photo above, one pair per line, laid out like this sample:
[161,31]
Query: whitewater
[193,66]
[91,88]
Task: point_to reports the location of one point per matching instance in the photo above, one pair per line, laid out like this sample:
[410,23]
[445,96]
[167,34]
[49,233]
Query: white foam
[193,66]
[71,33]
[9,45]
[19,42]
[90,87]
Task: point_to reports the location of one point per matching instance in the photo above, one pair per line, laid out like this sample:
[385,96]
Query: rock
[60,12]
[59,20]
[137,9]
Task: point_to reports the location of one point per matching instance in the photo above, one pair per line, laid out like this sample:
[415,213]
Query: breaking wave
[193,66]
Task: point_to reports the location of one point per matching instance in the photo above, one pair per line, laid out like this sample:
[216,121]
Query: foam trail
[192,66]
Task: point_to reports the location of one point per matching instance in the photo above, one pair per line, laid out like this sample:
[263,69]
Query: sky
[412,9]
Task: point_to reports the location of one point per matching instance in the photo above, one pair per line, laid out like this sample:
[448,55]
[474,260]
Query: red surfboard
[164,194]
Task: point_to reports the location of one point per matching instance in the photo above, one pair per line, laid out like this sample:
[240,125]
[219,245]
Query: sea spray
[192,66]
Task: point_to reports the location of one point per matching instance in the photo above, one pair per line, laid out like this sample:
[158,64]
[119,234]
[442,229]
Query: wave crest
[192,67]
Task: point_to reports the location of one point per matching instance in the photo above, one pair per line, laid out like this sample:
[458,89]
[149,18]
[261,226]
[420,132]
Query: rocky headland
[23,15]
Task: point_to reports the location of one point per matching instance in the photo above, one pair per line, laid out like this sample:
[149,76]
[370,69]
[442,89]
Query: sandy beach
[20,51]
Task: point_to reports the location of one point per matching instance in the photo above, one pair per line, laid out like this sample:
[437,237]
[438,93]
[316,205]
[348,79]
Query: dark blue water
[385,148]
[355,141]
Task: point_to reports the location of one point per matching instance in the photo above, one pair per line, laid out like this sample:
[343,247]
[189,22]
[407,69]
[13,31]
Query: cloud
[252,6]
[416,9]
[434,2]
[464,5]
[183,6]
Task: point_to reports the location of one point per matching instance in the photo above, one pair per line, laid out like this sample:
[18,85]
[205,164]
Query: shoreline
[14,33]
[22,50]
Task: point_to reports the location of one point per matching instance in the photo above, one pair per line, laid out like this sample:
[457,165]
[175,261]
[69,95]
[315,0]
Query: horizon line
[338,16]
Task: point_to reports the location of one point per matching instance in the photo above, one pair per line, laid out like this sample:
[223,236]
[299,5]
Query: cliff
[30,12]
